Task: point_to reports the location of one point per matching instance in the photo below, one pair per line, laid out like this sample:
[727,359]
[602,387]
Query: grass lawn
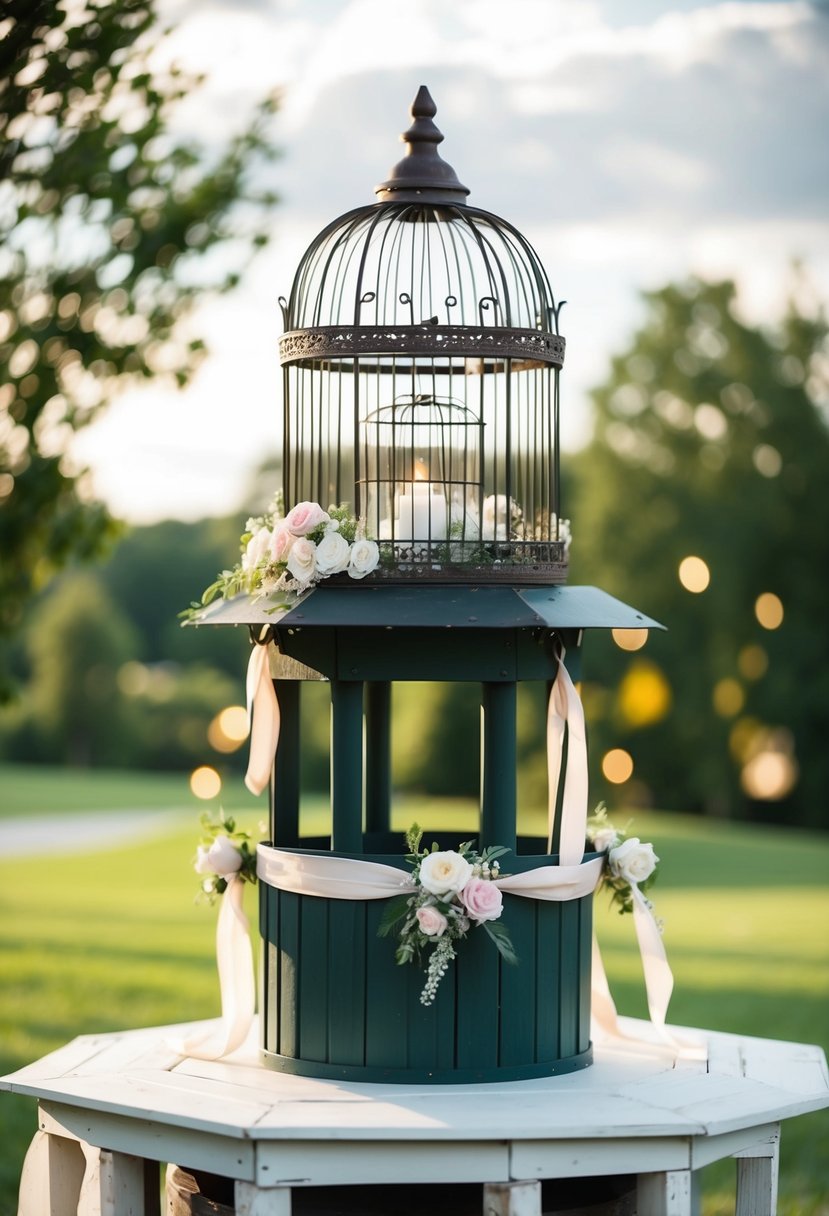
[109,940]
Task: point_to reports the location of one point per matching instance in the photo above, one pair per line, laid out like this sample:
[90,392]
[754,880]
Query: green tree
[78,643]
[711,442]
[111,229]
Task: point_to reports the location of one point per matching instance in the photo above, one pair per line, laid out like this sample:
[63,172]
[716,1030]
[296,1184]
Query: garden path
[25,835]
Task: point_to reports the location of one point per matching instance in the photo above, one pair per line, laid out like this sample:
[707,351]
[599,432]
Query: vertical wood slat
[346,983]
[286,784]
[585,916]
[387,994]
[518,991]
[547,982]
[568,996]
[270,956]
[290,1008]
[477,987]
[313,979]
[347,765]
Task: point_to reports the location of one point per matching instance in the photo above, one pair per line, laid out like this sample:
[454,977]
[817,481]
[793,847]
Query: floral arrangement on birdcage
[292,552]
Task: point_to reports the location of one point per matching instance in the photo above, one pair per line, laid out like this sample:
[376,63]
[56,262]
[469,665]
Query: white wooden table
[109,1104]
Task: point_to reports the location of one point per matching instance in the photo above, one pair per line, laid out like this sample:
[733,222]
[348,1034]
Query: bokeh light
[617,766]
[768,609]
[728,697]
[769,776]
[694,574]
[205,782]
[644,694]
[753,662]
[629,639]
[229,729]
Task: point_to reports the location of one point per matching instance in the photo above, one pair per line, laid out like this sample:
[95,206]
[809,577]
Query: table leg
[757,1170]
[665,1194]
[253,1200]
[512,1199]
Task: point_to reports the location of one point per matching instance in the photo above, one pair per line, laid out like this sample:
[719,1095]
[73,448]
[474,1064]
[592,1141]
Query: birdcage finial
[422,176]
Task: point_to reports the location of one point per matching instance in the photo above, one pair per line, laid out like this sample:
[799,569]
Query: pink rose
[304,517]
[432,922]
[482,900]
[281,543]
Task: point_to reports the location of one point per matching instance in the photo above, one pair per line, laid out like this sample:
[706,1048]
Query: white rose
[499,516]
[332,554]
[444,873]
[364,558]
[605,838]
[223,857]
[302,560]
[256,549]
[632,860]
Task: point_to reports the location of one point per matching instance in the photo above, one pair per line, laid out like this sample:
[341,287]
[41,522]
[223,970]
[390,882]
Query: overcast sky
[632,142]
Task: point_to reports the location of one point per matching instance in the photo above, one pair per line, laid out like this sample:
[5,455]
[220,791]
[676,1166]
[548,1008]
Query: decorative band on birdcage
[330,343]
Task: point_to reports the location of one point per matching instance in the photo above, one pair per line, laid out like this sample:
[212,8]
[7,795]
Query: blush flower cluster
[631,862]
[294,551]
[455,892]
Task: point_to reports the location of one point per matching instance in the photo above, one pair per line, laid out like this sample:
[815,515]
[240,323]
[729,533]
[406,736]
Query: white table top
[636,1102]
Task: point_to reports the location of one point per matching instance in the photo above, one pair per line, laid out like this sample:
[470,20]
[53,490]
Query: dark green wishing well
[420,390]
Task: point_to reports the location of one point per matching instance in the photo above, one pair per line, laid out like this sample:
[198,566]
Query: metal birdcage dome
[420,358]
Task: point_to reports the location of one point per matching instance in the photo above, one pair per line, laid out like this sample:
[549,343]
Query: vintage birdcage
[420,361]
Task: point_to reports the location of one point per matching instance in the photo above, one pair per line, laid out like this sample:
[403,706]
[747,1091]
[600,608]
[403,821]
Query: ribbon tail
[234,957]
[263,718]
[555,750]
[604,1022]
[659,980]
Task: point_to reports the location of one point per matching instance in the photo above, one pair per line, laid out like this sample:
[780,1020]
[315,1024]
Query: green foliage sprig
[455,892]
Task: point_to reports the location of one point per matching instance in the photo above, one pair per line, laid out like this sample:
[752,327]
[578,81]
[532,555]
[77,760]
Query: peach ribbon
[263,717]
[234,957]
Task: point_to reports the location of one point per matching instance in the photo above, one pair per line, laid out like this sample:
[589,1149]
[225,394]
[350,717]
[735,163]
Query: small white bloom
[633,860]
[444,873]
[223,857]
[302,560]
[364,558]
[201,864]
[333,553]
[604,838]
[256,549]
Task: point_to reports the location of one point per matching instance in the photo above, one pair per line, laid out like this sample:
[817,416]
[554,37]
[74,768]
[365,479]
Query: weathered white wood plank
[251,1200]
[664,1194]
[512,1199]
[154,1141]
[583,1158]
[113,1186]
[319,1163]
[52,1175]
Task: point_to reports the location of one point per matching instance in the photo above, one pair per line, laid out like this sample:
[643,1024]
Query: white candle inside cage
[422,514]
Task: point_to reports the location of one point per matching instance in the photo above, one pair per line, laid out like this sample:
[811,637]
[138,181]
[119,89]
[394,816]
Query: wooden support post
[512,1199]
[498,758]
[347,766]
[252,1200]
[285,801]
[378,756]
[53,1171]
[757,1174]
[113,1185]
[664,1194]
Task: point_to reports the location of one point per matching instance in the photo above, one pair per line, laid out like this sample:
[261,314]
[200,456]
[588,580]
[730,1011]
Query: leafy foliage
[111,230]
